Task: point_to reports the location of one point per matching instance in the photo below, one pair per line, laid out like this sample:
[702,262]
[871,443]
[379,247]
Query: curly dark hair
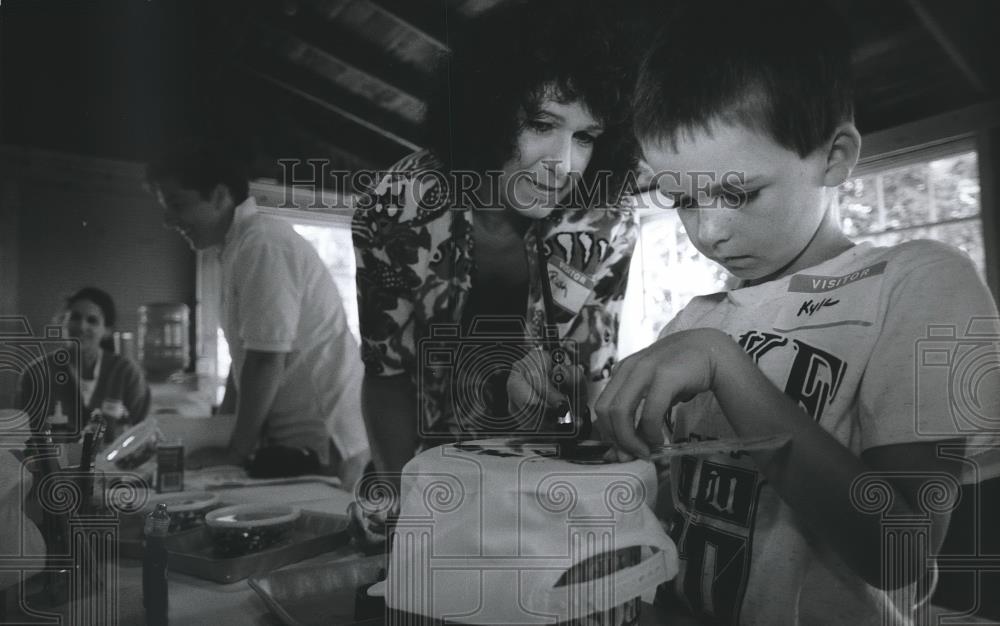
[509,58]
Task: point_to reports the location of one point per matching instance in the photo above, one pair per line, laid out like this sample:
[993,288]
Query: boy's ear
[842,155]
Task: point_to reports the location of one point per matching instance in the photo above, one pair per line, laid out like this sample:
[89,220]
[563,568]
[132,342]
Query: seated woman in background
[94,377]
[530,143]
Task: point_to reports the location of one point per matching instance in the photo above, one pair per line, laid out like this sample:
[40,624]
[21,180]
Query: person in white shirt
[296,366]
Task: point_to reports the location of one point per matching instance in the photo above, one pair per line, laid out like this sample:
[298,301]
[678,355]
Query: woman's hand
[672,370]
[535,381]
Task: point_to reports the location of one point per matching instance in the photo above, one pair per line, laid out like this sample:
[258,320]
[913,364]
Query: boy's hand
[674,369]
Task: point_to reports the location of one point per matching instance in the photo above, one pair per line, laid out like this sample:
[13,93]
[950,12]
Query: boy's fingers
[607,398]
[658,402]
[608,401]
[622,414]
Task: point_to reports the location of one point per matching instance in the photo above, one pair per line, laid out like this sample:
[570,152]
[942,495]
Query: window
[925,197]
[926,194]
[666,273]
[335,247]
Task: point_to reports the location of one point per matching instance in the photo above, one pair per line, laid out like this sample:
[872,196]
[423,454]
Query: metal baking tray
[192,552]
[319,594]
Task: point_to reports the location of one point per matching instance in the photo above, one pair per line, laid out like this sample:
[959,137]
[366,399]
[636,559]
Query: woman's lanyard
[579,412]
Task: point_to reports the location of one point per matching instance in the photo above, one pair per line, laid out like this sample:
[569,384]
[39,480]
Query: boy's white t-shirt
[879,345]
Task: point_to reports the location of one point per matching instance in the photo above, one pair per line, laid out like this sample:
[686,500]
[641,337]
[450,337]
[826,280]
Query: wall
[83,221]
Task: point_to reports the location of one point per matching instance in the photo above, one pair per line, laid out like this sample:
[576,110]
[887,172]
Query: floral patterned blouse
[415,268]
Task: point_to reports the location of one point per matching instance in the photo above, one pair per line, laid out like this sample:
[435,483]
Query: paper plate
[252,516]
[247,528]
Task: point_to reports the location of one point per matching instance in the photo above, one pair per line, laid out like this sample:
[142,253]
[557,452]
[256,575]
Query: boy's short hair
[201,163]
[781,67]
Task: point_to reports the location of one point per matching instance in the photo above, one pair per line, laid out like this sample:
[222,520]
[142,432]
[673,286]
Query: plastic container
[132,448]
[163,343]
[247,528]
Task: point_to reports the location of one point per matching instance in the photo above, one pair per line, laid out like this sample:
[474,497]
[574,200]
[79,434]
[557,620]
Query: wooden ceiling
[345,80]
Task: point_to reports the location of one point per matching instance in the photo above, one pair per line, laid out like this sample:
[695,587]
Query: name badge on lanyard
[570,287]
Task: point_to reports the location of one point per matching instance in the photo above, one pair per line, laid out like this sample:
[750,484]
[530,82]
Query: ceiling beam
[292,116]
[949,44]
[329,97]
[290,137]
[377,93]
[475,7]
[340,45]
[430,23]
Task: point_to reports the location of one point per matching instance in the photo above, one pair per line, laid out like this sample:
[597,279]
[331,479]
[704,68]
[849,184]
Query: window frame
[980,125]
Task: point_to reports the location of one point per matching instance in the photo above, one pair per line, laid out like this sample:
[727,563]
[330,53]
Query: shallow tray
[192,552]
[320,594]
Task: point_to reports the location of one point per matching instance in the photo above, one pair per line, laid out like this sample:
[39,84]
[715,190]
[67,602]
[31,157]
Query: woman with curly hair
[508,225]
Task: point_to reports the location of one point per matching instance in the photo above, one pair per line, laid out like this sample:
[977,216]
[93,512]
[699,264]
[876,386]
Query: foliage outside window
[934,199]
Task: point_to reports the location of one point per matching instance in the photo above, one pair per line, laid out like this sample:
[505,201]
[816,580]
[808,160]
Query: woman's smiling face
[85,322]
[553,148]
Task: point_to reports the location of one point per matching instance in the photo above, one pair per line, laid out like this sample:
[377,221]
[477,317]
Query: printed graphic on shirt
[719,495]
[757,344]
[715,539]
[815,375]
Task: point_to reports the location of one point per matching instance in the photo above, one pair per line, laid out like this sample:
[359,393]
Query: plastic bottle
[115,418]
[58,418]
[154,566]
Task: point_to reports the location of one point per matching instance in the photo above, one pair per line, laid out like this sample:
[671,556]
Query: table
[192,600]
[196,601]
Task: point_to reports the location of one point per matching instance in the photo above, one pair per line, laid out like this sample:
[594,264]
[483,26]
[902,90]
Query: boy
[752,135]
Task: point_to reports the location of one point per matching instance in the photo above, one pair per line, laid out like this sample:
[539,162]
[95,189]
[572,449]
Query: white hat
[487,529]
